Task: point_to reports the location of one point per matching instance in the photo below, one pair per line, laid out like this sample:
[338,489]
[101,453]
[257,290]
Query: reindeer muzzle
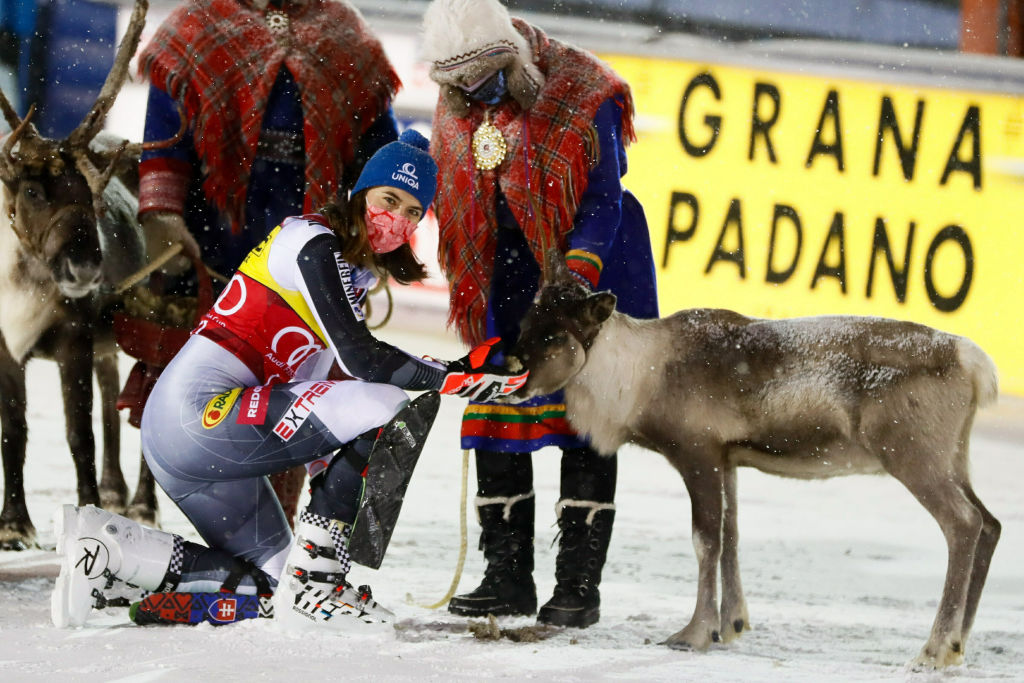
[70,245]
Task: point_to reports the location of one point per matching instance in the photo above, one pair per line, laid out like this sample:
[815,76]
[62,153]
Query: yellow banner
[776,195]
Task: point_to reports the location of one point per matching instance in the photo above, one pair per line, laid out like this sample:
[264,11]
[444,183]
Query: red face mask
[387,231]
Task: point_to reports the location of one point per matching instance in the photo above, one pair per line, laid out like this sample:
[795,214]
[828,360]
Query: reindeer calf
[713,390]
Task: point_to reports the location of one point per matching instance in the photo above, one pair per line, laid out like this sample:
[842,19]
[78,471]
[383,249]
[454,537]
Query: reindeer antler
[8,164]
[80,137]
[137,148]
[13,120]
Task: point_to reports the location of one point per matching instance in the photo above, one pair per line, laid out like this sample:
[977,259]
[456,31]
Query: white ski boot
[98,547]
[313,591]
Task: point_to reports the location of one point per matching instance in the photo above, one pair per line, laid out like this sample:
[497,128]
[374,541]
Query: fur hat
[466,39]
[405,164]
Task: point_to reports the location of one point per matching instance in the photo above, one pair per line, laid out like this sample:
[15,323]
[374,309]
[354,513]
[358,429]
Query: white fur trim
[593,505]
[506,501]
[457,31]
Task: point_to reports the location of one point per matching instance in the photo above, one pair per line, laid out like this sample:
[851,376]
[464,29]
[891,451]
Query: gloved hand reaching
[475,377]
[163,229]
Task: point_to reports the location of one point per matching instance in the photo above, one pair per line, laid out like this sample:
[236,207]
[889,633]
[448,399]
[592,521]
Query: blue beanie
[404,164]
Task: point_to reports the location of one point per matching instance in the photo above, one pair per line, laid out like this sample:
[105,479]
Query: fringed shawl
[219,60]
[551,150]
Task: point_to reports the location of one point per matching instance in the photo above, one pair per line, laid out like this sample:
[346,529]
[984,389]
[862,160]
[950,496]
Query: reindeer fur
[37,320]
[69,229]
[807,398]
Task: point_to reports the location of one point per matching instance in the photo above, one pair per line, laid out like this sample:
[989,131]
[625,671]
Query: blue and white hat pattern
[405,164]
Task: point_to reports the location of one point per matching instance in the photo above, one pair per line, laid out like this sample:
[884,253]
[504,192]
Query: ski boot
[100,551]
[313,590]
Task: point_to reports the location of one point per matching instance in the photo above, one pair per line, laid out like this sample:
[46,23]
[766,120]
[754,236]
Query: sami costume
[283,107]
[560,189]
[530,137]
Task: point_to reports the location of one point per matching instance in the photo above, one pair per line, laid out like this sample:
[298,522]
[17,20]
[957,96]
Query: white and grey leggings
[211,450]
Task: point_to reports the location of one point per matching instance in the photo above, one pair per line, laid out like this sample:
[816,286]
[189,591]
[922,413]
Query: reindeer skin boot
[105,555]
[506,538]
[586,530]
[585,516]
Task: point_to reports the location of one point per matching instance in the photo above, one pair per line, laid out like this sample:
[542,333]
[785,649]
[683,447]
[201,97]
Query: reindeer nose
[76,279]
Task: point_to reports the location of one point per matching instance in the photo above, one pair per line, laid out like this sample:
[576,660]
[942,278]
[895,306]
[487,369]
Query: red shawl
[219,60]
[543,184]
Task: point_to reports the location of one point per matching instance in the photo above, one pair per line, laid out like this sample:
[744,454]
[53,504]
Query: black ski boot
[506,538]
[585,531]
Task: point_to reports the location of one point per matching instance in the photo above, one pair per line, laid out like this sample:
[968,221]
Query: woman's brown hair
[347,222]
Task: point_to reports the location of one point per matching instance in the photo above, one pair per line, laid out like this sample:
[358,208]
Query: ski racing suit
[253,392]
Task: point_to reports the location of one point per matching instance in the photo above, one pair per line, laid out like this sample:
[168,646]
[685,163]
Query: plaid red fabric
[542,180]
[220,61]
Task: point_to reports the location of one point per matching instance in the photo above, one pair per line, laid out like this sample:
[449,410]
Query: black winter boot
[585,531]
[507,541]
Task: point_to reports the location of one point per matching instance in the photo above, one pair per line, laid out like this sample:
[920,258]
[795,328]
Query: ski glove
[475,377]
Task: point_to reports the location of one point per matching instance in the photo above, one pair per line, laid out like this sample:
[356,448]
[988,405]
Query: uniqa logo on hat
[407,175]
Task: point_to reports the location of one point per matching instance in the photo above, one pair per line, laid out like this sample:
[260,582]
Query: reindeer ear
[598,307]
[555,268]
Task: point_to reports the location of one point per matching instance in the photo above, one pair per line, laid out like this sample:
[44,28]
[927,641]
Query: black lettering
[88,559]
[829,112]
[774,274]
[714,123]
[887,122]
[732,217]
[948,304]
[760,126]
[972,125]
[899,276]
[836,231]
[673,235]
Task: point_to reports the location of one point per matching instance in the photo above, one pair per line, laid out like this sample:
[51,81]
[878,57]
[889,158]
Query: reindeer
[713,390]
[72,230]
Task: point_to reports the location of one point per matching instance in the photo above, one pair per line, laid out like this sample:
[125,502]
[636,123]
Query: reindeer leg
[113,489]
[734,605]
[704,481]
[990,531]
[143,508]
[942,494]
[74,358]
[16,529]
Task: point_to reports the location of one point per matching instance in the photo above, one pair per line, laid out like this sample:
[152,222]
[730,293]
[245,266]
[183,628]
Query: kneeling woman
[281,371]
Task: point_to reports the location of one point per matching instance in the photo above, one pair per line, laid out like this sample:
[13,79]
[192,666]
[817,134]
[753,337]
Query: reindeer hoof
[691,639]
[678,645]
[18,537]
[733,629]
[113,500]
[143,514]
[931,658]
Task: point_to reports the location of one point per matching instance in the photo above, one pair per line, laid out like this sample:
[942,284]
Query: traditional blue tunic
[609,241]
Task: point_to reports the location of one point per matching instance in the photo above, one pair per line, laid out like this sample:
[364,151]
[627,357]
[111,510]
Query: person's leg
[212,462]
[586,512]
[505,509]
[354,504]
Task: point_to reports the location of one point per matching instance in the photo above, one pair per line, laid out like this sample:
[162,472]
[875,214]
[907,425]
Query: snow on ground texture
[842,579]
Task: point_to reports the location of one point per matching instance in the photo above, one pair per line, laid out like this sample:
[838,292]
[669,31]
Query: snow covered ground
[842,578]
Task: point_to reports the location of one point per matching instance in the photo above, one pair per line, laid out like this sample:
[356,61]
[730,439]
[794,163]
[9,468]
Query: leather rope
[462,542]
